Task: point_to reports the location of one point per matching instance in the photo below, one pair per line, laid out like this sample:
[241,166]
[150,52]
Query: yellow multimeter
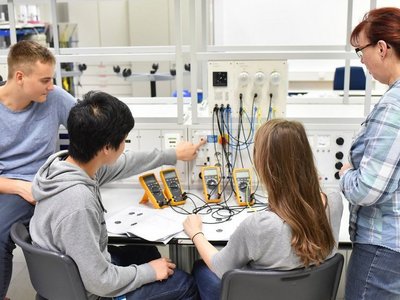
[211,178]
[172,186]
[242,186]
[152,191]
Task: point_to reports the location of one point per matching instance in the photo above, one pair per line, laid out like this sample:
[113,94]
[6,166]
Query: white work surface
[126,200]
[119,199]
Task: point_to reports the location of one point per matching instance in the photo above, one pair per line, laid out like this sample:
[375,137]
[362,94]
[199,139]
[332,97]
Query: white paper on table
[146,223]
[156,227]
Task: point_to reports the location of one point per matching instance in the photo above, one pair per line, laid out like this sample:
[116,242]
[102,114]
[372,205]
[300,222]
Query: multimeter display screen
[210,172]
[170,174]
[150,179]
[242,174]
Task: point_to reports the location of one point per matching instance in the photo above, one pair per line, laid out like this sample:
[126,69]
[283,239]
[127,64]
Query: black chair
[53,275]
[357,79]
[313,283]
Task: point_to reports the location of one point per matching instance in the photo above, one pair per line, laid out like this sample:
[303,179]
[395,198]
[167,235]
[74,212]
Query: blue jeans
[208,283]
[13,208]
[373,273]
[179,286]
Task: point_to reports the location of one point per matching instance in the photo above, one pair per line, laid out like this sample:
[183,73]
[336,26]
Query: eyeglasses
[359,50]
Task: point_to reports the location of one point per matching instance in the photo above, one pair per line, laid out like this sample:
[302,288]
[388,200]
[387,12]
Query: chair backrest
[313,283]
[53,275]
[357,78]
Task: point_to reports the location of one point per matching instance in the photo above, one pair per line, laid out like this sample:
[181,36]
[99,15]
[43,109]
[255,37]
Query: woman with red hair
[370,182]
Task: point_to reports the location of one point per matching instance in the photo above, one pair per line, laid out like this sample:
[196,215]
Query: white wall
[292,23]
[284,22]
[106,23]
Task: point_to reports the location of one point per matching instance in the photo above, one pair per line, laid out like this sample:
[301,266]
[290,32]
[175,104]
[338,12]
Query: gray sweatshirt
[69,218]
[263,240]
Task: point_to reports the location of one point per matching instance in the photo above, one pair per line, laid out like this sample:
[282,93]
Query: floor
[20,287]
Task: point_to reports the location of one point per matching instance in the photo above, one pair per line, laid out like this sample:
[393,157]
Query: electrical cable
[270,107]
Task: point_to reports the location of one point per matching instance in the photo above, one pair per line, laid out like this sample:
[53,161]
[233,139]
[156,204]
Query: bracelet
[194,235]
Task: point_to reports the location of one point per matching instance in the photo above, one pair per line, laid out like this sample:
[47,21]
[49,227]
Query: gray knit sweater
[263,241]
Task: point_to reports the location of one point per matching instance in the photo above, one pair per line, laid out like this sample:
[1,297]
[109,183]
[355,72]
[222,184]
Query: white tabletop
[116,200]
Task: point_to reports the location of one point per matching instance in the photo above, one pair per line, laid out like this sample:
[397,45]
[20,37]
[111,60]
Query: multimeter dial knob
[212,182]
[243,185]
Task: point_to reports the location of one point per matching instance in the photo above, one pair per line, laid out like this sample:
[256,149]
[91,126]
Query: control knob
[243,186]
[338,165]
[340,141]
[339,155]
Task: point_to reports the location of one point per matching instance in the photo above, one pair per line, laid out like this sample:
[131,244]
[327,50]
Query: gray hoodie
[69,218]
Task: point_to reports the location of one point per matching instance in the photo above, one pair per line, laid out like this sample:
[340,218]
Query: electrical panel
[225,150]
[257,87]
[330,144]
[230,145]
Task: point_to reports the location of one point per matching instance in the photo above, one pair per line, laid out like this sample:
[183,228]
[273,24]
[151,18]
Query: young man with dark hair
[31,112]
[69,215]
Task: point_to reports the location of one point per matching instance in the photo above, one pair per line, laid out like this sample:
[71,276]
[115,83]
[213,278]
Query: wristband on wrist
[194,235]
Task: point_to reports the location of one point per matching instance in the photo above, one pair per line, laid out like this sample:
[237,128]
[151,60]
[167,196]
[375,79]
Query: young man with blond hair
[31,112]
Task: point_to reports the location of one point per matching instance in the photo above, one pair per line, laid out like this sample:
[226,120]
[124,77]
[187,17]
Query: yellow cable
[259,118]
[247,198]
[65,84]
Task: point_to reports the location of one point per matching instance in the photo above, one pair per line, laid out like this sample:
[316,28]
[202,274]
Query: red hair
[380,24]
